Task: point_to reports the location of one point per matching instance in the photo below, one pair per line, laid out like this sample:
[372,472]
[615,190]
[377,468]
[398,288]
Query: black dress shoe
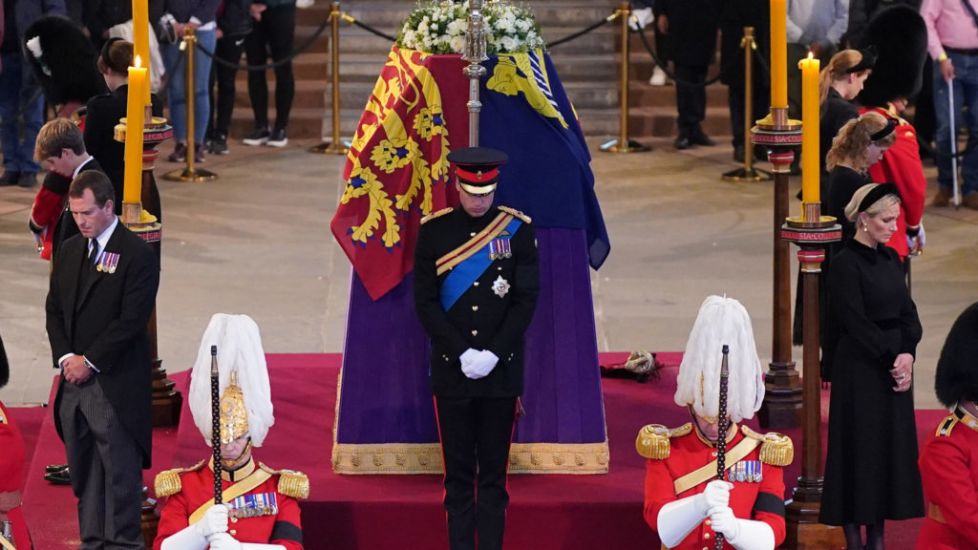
[738,154]
[61,477]
[682,142]
[10,178]
[700,138]
[55,468]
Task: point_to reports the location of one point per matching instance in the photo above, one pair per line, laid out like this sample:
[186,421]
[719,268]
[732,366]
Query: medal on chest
[500,286]
[746,471]
[254,505]
[500,249]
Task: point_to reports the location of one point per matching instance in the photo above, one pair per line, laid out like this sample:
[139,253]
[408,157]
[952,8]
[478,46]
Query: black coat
[734,16]
[101,15]
[480,319]
[692,29]
[104,316]
[871,471]
[833,115]
[103,113]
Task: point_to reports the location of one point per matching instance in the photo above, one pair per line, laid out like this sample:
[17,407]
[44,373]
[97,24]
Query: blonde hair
[837,69]
[850,144]
[58,134]
[881,204]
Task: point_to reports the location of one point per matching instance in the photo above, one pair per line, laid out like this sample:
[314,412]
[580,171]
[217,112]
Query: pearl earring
[865,228]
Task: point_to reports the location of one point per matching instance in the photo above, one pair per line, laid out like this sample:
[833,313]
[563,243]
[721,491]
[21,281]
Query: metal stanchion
[748,172]
[190,173]
[623,144]
[335,147]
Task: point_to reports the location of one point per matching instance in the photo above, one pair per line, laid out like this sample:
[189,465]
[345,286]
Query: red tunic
[901,165]
[761,501]
[46,212]
[12,474]
[949,471]
[197,487]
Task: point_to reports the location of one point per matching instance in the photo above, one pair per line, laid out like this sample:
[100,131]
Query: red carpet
[367,512]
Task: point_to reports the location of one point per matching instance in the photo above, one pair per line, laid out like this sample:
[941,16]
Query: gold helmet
[245,396]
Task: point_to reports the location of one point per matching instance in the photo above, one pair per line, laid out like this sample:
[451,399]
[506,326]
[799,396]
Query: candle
[779,54]
[140,36]
[809,127]
[135,115]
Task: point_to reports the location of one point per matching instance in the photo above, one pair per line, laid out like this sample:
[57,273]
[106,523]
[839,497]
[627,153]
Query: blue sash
[468,271]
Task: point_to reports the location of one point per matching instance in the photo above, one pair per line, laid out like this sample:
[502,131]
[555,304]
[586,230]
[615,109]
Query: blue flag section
[526,113]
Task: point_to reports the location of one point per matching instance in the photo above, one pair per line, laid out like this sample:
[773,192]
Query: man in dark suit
[103,288]
[475,289]
[691,28]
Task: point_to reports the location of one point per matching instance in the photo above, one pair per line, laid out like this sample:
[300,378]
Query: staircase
[588,68]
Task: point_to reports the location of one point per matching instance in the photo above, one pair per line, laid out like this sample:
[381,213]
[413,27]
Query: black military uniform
[475,287]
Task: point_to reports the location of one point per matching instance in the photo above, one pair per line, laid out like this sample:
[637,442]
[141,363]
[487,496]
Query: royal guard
[685,502]
[949,460]
[900,38]
[259,507]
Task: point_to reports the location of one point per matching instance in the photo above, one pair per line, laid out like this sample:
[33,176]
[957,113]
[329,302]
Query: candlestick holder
[812,232]
[145,218]
[782,399]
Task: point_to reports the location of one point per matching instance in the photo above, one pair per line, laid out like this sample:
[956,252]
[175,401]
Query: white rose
[523,25]
[457,43]
[510,44]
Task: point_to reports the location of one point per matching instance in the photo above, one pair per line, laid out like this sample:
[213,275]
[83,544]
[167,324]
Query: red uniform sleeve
[288,525]
[659,490]
[944,470]
[47,207]
[769,506]
[173,518]
[901,165]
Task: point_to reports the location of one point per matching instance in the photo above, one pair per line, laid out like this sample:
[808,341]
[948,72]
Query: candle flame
[810,55]
[137,62]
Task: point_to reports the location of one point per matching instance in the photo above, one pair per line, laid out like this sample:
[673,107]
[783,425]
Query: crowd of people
[226,28]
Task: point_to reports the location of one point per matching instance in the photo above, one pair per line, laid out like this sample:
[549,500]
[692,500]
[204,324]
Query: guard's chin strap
[240,461]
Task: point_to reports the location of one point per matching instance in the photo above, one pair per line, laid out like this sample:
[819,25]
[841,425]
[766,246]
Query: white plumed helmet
[246,399]
[721,321]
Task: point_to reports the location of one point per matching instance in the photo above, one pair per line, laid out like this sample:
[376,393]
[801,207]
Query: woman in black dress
[105,110]
[871,471]
[838,84]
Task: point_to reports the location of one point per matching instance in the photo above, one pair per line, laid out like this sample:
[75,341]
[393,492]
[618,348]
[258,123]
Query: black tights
[874,536]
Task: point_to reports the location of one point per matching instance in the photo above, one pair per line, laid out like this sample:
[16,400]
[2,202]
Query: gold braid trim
[437,214]
[168,482]
[653,440]
[426,458]
[946,426]
[516,213]
[291,483]
[776,449]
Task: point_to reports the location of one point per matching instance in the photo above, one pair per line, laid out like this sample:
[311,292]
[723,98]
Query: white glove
[717,494]
[640,18]
[742,534]
[224,541]
[467,359]
[484,363]
[194,537]
[215,520]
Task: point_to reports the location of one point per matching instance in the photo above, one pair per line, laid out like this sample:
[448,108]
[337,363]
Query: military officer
[685,503]
[949,460]
[260,510]
[475,289]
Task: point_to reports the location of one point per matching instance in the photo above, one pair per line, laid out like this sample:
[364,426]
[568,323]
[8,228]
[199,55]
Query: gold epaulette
[291,483]
[168,481]
[516,213]
[653,440]
[776,449]
[946,425]
[437,214]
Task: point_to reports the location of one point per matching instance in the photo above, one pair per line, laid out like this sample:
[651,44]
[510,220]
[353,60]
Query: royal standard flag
[397,168]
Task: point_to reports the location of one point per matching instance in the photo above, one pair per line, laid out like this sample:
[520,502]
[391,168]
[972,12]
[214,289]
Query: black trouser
[274,33]
[690,97]
[229,48]
[736,101]
[475,438]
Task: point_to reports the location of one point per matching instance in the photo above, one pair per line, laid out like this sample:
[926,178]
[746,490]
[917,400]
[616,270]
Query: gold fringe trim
[653,442]
[776,449]
[426,458]
[293,484]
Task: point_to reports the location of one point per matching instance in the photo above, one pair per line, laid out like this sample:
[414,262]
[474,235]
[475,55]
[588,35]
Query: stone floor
[257,241]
